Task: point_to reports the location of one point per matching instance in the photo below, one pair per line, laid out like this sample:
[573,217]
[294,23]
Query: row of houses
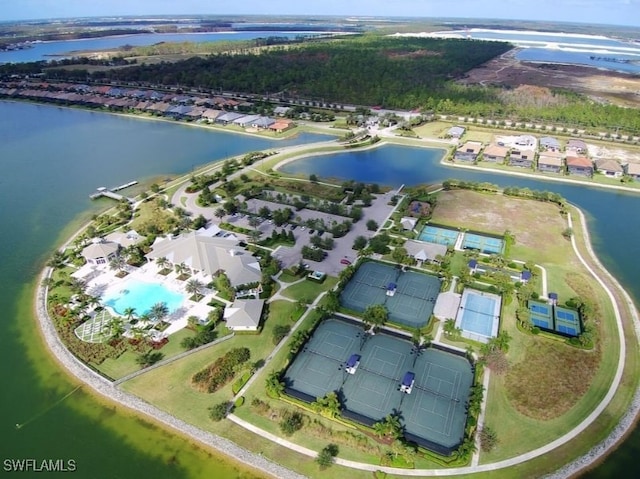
[550,160]
[218,110]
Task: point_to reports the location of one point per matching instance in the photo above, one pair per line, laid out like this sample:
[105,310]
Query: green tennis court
[433,414]
[412,303]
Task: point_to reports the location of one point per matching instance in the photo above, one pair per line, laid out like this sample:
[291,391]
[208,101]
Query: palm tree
[129,312]
[57,260]
[162,262]
[116,328]
[117,263]
[181,269]
[274,386]
[219,213]
[77,286]
[254,221]
[159,311]
[194,287]
[254,236]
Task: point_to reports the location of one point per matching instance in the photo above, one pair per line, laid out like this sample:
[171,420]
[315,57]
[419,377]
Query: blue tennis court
[567,321]
[479,315]
[437,235]
[484,244]
[541,315]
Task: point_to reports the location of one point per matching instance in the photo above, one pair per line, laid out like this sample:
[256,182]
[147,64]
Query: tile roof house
[456,132]
[469,151]
[227,118]
[244,314]
[279,126]
[632,170]
[422,251]
[495,153]
[550,161]
[522,158]
[579,165]
[609,167]
[210,255]
[210,115]
[549,143]
[245,121]
[263,123]
[577,146]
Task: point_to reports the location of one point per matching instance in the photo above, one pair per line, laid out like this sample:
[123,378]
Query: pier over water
[111,192]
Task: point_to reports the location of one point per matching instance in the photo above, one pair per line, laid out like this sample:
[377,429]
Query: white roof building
[423,251]
[100,251]
[408,223]
[210,255]
[244,314]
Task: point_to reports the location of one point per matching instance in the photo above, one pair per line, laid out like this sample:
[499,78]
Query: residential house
[263,123]
[469,151]
[579,165]
[281,110]
[526,142]
[549,143]
[576,147]
[245,121]
[281,125]
[522,158]
[178,111]
[227,118]
[100,252]
[210,255]
[456,132]
[408,223]
[495,153]
[244,314]
[550,161]
[632,170]
[210,115]
[425,252]
[609,167]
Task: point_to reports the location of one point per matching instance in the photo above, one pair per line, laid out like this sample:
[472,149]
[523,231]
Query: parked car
[320,232]
[312,231]
[293,227]
[345,261]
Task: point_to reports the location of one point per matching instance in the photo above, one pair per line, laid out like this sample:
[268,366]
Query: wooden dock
[111,192]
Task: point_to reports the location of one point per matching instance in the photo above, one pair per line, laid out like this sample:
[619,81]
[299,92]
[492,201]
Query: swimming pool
[479,315]
[141,296]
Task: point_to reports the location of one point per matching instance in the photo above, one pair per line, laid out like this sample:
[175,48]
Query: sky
[616,12]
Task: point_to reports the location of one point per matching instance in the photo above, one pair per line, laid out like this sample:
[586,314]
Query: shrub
[325,457]
[219,411]
[290,423]
[279,332]
[488,439]
[216,375]
[239,402]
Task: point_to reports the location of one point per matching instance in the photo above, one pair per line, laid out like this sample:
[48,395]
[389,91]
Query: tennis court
[412,303]
[438,235]
[433,414]
[479,315]
[567,321]
[540,314]
[484,244]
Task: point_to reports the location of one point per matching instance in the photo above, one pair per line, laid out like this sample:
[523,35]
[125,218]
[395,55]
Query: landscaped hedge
[216,375]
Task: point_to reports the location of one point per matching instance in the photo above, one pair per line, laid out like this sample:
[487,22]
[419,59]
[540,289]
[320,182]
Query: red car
[345,261]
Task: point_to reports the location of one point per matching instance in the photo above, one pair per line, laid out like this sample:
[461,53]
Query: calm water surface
[53,158]
[45,50]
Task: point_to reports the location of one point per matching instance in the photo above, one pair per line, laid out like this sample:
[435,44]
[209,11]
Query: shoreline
[105,389]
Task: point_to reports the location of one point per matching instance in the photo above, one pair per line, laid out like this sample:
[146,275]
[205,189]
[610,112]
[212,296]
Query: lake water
[45,50]
[576,49]
[52,158]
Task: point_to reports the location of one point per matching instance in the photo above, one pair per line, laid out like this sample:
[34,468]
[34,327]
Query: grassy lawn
[179,397]
[126,362]
[434,129]
[308,289]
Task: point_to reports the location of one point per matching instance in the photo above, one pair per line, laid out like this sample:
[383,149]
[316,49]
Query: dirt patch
[600,85]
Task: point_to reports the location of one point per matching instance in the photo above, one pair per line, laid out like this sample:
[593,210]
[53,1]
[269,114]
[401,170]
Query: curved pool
[141,296]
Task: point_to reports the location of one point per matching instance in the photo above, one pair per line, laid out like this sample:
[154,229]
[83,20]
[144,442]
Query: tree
[273,384]
[57,260]
[379,243]
[149,358]
[359,243]
[279,332]
[291,422]
[254,221]
[372,225]
[332,301]
[219,212]
[162,262]
[159,311]
[488,439]
[129,312]
[389,427]
[117,263]
[399,254]
[116,328]
[313,178]
[325,457]
[194,287]
[375,315]
[219,411]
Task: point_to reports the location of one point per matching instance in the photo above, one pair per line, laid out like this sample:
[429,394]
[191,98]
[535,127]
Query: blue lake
[52,158]
[43,51]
